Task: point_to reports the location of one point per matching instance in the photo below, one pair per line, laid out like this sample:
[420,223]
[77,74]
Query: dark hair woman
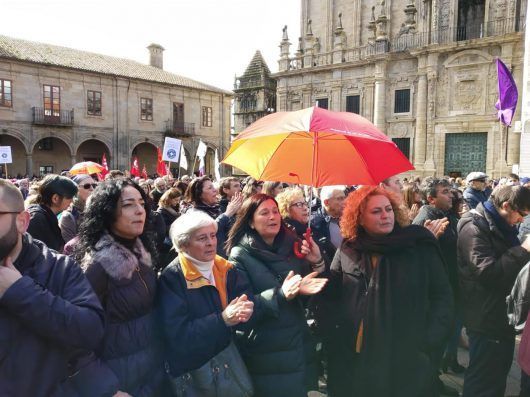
[201,195]
[394,299]
[55,194]
[279,350]
[117,255]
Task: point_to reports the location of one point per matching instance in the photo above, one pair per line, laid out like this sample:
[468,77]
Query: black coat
[44,317]
[279,351]
[488,268]
[126,285]
[44,226]
[405,306]
[447,241]
[190,314]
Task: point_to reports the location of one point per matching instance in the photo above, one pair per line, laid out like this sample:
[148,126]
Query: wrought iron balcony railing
[179,129]
[43,116]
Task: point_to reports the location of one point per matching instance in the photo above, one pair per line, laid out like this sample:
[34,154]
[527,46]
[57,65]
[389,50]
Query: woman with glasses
[294,209]
[72,217]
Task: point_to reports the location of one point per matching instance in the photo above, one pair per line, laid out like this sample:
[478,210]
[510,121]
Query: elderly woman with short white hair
[201,298]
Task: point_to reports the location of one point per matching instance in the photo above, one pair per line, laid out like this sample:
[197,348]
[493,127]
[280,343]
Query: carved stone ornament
[468,94]
[399,130]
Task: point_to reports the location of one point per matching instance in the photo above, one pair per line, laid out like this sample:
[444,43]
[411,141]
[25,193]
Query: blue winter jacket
[45,318]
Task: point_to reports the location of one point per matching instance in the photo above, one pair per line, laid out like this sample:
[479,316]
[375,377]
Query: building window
[146,109]
[45,169]
[93,103]
[45,144]
[6,93]
[353,104]
[52,101]
[322,103]
[404,145]
[402,101]
[206,116]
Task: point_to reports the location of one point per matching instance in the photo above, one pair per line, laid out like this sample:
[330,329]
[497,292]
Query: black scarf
[213,210]
[398,239]
[299,227]
[509,232]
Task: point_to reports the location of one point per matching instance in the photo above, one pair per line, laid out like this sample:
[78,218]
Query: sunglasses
[87,186]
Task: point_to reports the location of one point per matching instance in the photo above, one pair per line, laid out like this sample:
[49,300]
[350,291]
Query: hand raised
[437,226]
[238,310]
[310,285]
[311,250]
[234,204]
[291,285]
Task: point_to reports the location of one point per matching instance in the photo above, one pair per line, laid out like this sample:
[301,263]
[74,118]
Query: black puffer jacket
[44,317]
[126,285]
[488,268]
[44,226]
[279,351]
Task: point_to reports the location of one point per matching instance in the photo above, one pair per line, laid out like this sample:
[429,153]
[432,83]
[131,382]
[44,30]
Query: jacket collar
[194,278]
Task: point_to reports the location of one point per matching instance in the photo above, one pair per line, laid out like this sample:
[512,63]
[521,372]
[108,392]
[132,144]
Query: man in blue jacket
[48,311]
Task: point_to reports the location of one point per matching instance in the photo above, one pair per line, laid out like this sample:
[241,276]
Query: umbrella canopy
[86,167]
[316,147]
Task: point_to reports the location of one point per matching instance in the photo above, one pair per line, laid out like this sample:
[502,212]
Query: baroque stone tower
[255,93]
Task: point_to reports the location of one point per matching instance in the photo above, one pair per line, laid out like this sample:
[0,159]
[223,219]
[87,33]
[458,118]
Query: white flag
[183,163]
[217,172]
[201,149]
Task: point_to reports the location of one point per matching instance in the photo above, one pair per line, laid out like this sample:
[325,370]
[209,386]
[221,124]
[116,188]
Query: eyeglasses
[299,204]
[87,186]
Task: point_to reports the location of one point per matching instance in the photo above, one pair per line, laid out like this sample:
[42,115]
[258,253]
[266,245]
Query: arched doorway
[148,155]
[92,150]
[18,153]
[51,156]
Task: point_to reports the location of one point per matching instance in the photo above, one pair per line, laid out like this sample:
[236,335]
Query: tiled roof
[257,66]
[48,54]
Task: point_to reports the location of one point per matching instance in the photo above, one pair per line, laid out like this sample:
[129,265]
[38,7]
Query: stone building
[59,106]
[422,71]
[254,93]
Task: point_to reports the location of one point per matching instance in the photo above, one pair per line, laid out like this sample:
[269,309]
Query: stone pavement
[512,384]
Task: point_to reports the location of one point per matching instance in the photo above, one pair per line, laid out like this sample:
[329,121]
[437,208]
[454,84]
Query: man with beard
[48,311]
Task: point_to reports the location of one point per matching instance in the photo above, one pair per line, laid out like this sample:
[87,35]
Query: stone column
[524,157]
[380,96]
[74,158]
[379,103]
[29,165]
[336,98]
[430,166]
[420,136]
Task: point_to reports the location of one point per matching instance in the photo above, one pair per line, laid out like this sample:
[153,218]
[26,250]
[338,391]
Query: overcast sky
[207,40]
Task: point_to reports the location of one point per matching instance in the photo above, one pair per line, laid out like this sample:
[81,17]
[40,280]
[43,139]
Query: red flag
[144,173]
[161,169]
[105,171]
[135,169]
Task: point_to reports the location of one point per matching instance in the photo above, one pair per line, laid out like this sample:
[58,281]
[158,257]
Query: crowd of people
[190,287]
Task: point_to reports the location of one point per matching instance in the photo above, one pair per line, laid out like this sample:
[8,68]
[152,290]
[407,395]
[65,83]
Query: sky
[206,40]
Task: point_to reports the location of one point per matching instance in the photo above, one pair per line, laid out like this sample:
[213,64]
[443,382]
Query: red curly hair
[356,204]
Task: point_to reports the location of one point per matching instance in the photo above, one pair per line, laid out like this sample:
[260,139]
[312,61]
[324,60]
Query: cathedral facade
[422,71]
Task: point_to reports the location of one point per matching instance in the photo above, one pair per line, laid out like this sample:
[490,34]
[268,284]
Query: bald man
[48,310]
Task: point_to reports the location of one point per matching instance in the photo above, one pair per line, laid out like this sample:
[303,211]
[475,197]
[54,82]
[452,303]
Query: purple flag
[508,94]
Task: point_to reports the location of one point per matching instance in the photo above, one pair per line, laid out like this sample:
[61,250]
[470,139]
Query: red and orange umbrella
[316,147]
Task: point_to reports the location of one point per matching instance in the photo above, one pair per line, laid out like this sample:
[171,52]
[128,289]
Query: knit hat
[79,177]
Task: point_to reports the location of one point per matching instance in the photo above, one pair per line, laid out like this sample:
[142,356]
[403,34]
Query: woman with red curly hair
[395,306]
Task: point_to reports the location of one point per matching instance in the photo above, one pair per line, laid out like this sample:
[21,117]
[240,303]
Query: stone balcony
[406,42]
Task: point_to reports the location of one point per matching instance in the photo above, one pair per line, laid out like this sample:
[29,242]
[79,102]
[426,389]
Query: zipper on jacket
[141,278]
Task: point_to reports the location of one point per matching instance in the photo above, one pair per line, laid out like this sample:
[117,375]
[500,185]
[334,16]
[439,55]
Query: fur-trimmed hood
[117,260]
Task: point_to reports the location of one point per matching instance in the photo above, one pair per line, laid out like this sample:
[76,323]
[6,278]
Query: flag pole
[178,168]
